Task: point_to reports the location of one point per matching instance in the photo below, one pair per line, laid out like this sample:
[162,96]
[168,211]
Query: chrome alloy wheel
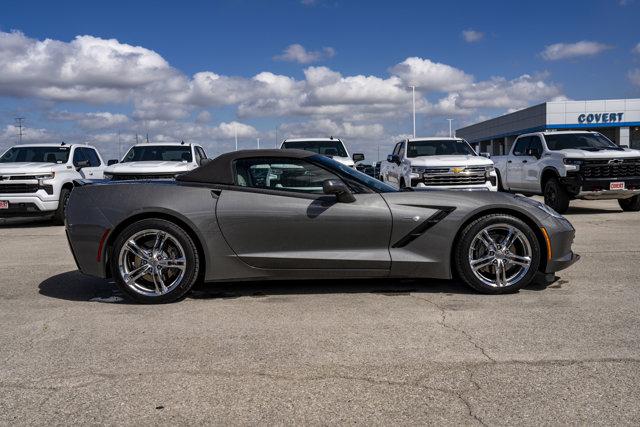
[152,262]
[500,255]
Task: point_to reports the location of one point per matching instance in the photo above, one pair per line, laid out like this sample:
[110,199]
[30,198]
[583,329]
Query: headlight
[574,162]
[489,168]
[417,169]
[46,176]
[546,209]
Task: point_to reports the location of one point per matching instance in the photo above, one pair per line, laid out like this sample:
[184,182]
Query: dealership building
[617,119]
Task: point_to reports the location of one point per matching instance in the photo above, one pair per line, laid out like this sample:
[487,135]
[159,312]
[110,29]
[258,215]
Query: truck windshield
[326,148]
[443,147]
[36,154]
[579,141]
[169,153]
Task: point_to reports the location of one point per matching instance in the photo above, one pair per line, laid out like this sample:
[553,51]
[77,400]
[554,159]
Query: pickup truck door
[515,164]
[393,174]
[86,156]
[532,166]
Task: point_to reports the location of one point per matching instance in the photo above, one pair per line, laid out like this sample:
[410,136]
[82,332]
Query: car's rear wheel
[154,261]
[497,253]
[632,204]
[555,196]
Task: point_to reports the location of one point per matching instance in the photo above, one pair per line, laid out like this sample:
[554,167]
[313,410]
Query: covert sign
[600,118]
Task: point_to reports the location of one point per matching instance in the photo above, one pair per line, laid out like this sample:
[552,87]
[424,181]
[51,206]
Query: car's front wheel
[497,253]
[154,261]
[632,204]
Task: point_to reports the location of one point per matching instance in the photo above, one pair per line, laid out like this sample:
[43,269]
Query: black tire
[402,184]
[192,261]
[58,216]
[632,204]
[463,264]
[555,196]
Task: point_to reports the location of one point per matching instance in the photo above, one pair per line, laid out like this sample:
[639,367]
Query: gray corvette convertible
[289,214]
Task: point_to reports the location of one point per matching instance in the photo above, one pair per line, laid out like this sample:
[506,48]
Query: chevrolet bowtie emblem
[457,170]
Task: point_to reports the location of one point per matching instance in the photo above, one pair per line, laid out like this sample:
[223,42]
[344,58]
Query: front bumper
[559,251]
[598,188]
[20,205]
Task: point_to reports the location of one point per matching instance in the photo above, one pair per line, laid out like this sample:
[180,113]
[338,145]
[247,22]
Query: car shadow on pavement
[578,210]
[36,222]
[75,286]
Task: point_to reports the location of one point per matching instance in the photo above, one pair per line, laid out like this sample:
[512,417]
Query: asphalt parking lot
[364,352]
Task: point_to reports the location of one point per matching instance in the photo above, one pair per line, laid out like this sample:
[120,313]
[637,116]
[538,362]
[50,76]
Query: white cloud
[297,53]
[429,75]
[634,76]
[29,135]
[203,117]
[559,51]
[328,127]
[93,120]
[636,49]
[472,36]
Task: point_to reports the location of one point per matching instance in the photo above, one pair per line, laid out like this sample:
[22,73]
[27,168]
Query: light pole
[450,134]
[235,133]
[258,139]
[413,94]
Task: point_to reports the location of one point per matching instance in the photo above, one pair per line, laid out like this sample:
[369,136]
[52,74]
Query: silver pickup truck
[566,165]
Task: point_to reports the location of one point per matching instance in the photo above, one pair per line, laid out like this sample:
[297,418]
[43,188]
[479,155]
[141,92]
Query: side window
[92,156]
[396,149]
[401,151]
[197,156]
[520,149]
[536,144]
[281,174]
[200,150]
[78,156]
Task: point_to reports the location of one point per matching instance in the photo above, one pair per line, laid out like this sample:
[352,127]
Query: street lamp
[413,94]
[450,134]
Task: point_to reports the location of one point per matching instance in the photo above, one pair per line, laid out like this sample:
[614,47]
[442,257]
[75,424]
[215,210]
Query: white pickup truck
[36,179]
[443,163]
[565,165]
[156,161]
[330,147]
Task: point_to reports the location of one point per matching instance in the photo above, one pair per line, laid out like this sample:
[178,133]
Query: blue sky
[358,50]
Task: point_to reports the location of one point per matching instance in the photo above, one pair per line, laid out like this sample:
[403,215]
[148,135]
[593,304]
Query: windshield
[36,154]
[326,148]
[579,141]
[169,153]
[356,175]
[443,147]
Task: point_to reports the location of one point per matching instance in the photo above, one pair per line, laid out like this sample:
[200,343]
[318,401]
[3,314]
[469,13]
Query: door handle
[509,161]
[524,161]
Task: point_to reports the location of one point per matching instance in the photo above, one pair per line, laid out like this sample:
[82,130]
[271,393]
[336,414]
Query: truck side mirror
[357,157]
[485,154]
[624,146]
[82,164]
[393,158]
[111,162]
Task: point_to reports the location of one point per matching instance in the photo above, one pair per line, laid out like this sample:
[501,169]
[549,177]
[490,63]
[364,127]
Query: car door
[277,217]
[95,169]
[515,164]
[531,168]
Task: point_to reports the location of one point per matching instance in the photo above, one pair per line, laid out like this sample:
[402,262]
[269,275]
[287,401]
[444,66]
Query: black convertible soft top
[220,169]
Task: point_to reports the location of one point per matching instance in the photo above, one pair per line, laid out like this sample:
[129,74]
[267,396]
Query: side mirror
[204,162]
[485,154]
[82,164]
[340,189]
[357,157]
[112,162]
[393,158]
[624,146]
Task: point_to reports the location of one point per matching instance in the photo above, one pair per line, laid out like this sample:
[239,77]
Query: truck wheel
[497,254]
[555,196]
[154,261]
[500,187]
[58,217]
[632,204]
[402,184]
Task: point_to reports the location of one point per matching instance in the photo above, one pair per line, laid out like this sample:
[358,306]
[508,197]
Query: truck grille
[141,177]
[18,188]
[623,168]
[444,176]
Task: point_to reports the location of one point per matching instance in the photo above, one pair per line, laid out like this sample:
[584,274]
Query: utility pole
[19,125]
[413,93]
[450,134]
[258,139]
[276,146]
[235,133]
